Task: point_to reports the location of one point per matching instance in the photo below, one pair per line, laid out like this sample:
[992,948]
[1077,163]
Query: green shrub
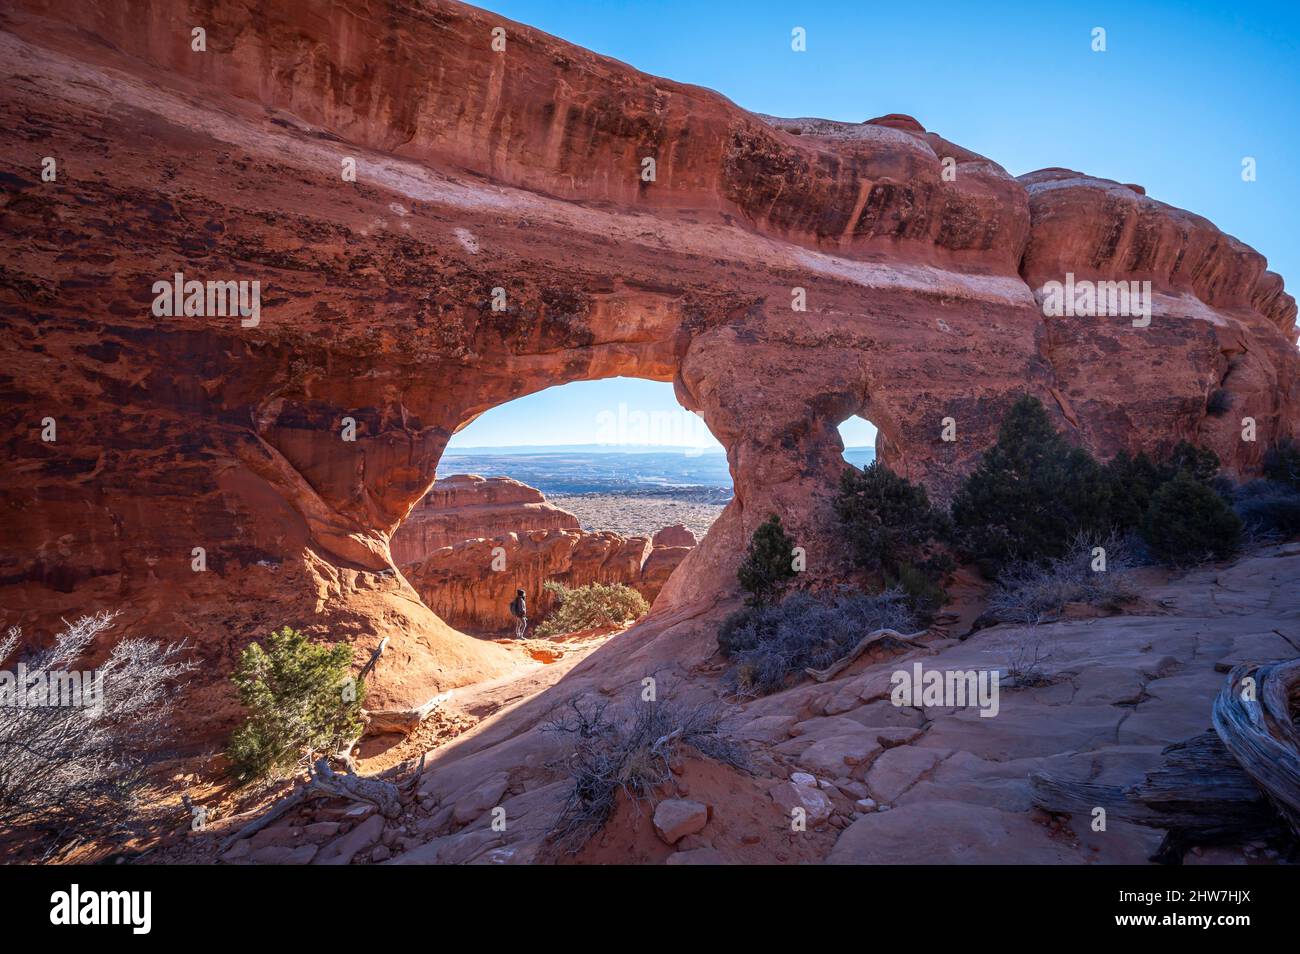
[300,700]
[1131,482]
[889,519]
[1030,495]
[595,604]
[1189,523]
[1201,463]
[1282,463]
[895,532]
[921,586]
[769,563]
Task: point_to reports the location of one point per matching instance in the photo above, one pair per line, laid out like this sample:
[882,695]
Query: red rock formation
[465,506]
[460,583]
[521,171]
[488,538]
[1221,320]
[678,535]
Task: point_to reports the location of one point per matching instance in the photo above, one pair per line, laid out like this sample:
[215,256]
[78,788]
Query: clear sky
[1184,91]
[624,411]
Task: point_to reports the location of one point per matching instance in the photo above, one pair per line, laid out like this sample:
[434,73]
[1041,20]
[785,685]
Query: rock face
[465,506]
[678,535]
[217,476]
[471,542]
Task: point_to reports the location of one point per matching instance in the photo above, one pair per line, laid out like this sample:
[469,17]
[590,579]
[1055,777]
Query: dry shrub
[1033,593]
[76,769]
[617,749]
[770,646]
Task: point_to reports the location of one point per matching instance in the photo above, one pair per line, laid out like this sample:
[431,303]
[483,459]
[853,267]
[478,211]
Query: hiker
[519,610]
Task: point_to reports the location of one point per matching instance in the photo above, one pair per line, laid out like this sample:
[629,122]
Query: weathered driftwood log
[1254,715]
[324,782]
[402,720]
[1198,795]
[1240,782]
[374,658]
[883,638]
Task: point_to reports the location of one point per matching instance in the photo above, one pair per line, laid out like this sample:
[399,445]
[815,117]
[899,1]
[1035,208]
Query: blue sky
[626,411]
[1183,92]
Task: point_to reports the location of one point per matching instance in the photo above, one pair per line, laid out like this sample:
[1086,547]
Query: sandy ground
[636,515]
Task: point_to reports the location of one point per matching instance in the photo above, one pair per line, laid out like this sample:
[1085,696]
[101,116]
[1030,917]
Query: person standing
[519,610]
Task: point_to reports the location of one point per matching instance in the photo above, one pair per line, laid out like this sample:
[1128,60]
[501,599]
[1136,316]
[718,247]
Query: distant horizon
[482,449]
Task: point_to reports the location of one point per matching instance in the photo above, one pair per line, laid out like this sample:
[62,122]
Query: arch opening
[605,481]
[859,437]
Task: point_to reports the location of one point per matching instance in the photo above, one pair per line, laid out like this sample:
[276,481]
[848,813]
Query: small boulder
[675,818]
[474,803]
[288,836]
[239,851]
[815,803]
[678,535]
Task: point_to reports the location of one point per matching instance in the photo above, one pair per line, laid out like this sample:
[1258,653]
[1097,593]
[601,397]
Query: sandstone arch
[479,172]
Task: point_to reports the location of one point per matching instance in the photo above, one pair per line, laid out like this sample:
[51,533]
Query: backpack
[517,607]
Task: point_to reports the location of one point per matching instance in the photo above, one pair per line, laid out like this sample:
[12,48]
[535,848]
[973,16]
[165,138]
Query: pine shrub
[888,519]
[1030,495]
[895,532]
[1282,463]
[768,566]
[592,605]
[1188,523]
[1131,482]
[300,701]
[1200,462]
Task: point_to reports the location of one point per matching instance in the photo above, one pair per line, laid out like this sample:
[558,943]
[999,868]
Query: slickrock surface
[518,170]
[879,784]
